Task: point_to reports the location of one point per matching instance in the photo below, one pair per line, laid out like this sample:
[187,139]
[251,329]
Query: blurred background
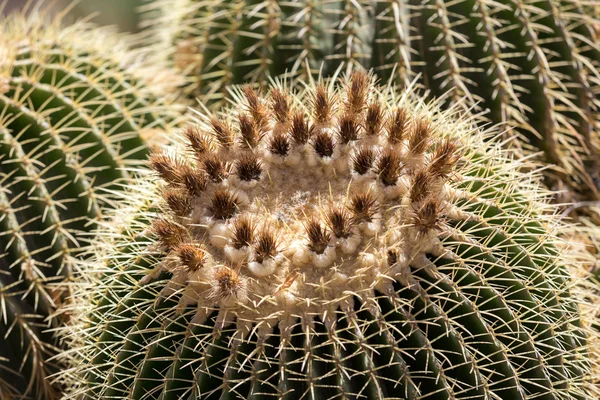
[121,13]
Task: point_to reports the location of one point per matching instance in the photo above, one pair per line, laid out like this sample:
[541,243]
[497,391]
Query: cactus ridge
[534,64]
[412,262]
[73,122]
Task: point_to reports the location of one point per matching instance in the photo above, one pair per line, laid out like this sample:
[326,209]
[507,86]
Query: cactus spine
[344,241]
[73,120]
[534,64]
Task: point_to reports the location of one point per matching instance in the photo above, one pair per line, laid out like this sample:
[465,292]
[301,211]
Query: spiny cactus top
[74,117]
[533,63]
[341,242]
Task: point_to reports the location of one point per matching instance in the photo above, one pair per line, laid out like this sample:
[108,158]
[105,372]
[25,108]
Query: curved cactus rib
[585,59]
[26,270]
[35,202]
[157,358]
[304,35]
[25,342]
[351,37]
[25,122]
[392,40]
[95,95]
[468,316]
[443,43]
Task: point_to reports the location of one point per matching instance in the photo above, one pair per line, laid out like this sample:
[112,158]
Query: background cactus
[341,242]
[533,63]
[74,116]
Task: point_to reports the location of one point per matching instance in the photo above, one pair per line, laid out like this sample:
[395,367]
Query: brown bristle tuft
[169,233]
[444,159]
[222,131]
[339,221]
[389,167]
[280,106]
[265,245]
[300,130]
[421,186]
[227,283]
[348,129]
[250,134]
[392,257]
[318,236]
[373,119]
[169,167]
[252,98]
[191,255]
[197,142]
[323,144]
[243,232]
[357,93]
[194,181]
[397,126]
[419,140]
[215,168]
[322,105]
[363,206]
[257,109]
[427,217]
[249,168]
[178,201]
[224,204]
[280,144]
[362,160]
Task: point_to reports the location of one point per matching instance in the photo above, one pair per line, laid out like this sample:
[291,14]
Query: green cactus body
[343,242]
[73,117]
[534,64]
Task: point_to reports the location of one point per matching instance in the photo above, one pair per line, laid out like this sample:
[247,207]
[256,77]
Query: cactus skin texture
[534,64]
[341,242]
[73,118]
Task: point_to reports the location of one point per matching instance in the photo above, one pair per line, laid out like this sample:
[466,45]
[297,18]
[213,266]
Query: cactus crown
[302,191]
[339,242]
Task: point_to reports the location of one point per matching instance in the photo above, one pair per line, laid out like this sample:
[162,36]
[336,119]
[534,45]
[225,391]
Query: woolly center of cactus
[301,208]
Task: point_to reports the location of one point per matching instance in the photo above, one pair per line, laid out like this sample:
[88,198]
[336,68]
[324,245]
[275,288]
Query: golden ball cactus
[76,113]
[343,241]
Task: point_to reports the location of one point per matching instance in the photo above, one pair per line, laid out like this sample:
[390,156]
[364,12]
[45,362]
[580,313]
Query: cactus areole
[338,243]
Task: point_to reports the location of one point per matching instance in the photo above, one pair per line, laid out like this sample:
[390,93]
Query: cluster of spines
[73,122]
[533,64]
[333,121]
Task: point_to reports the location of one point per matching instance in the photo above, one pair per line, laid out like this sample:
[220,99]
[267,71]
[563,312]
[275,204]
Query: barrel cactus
[342,241]
[74,119]
[534,64]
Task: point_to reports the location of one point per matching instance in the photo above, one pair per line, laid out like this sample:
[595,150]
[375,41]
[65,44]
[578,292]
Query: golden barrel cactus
[75,114]
[341,241]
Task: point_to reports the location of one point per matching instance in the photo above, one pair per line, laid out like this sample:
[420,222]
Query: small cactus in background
[534,64]
[345,242]
[74,117]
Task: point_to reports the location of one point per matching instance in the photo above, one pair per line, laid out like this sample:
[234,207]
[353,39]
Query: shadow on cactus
[74,117]
[535,65]
[345,242]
